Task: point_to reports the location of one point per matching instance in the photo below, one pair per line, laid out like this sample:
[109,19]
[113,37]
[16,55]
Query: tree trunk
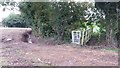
[110,37]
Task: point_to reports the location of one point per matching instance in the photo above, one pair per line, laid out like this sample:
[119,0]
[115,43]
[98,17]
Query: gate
[81,36]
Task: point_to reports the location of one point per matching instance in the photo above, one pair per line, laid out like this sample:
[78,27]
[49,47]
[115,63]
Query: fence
[81,36]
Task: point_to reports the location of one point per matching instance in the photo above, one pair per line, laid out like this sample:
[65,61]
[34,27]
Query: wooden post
[82,38]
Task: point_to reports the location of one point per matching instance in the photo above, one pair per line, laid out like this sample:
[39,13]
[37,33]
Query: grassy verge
[112,49]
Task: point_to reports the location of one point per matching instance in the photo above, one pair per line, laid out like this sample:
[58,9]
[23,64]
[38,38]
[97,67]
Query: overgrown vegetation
[111,10]
[14,20]
[58,19]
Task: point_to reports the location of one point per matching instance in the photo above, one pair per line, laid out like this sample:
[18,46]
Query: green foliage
[14,20]
[56,19]
[110,10]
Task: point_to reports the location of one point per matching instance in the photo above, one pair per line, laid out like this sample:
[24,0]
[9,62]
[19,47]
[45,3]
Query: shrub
[15,20]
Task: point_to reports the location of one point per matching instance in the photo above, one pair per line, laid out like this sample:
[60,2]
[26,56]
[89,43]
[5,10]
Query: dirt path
[19,53]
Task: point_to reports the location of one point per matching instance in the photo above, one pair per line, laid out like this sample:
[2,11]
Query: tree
[111,24]
[15,20]
[67,17]
[56,18]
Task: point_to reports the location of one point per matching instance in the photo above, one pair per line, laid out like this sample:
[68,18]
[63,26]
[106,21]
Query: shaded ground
[41,53]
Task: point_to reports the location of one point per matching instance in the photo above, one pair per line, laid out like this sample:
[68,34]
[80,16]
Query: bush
[54,19]
[15,20]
